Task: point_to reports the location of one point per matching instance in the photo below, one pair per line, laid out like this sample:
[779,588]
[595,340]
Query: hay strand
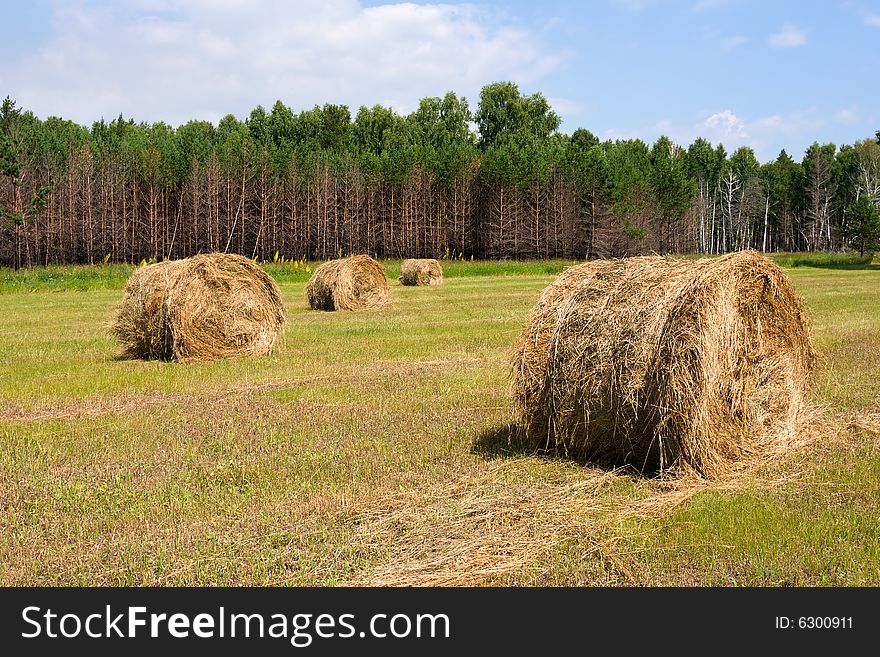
[354,283]
[420,271]
[665,363]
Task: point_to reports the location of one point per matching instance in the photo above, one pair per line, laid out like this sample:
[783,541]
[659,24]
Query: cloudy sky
[765,74]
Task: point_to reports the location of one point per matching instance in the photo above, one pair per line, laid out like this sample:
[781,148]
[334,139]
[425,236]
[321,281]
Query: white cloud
[788,37]
[732,42]
[716,37]
[662,126]
[848,115]
[872,19]
[724,125]
[159,60]
[766,135]
[793,123]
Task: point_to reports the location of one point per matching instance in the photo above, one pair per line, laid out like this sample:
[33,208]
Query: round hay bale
[420,271]
[201,308]
[354,283]
[665,363]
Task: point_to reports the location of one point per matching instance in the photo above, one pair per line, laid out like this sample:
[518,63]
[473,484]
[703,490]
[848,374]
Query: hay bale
[201,308]
[420,271]
[665,363]
[354,283]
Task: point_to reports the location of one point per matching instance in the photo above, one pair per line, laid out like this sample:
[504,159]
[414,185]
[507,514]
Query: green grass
[64,277]
[369,441]
[832,260]
[84,278]
[95,277]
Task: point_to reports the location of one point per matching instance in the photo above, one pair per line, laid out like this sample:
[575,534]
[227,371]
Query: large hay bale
[201,308]
[420,271]
[354,283]
[665,363]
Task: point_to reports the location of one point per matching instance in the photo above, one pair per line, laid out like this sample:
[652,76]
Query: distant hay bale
[201,308]
[354,283]
[665,363]
[420,271]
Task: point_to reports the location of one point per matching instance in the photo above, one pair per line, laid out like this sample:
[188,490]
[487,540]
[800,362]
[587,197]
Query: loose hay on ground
[665,363]
[421,271]
[353,283]
[201,308]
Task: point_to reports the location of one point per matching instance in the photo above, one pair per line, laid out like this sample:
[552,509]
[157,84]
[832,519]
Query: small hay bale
[420,271]
[354,283]
[201,308]
[665,363]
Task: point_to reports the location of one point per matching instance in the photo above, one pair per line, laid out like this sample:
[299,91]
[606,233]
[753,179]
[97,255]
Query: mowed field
[375,448]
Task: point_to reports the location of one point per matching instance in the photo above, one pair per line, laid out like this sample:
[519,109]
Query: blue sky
[744,72]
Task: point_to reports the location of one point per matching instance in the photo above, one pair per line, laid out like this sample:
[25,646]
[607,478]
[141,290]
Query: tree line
[500,181]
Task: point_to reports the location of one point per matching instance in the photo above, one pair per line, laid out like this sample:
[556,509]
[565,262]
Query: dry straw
[665,363]
[420,271]
[201,308]
[354,283]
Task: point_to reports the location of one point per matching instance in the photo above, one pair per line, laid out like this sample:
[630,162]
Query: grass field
[373,448]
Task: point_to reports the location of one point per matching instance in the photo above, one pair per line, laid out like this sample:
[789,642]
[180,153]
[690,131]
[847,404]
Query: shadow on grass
[508,441]
[504,441]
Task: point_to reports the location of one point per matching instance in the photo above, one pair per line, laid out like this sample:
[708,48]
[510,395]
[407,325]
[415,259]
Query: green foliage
[440,122]
[511,140]
[705,163]
[862,227]
[10,164]
[582,139]
[630,165]
[504,114]
[633,232]
[744,163]
[371,127]
[673,189]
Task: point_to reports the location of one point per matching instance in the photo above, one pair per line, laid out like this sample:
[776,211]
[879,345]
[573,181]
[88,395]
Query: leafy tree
[281,125]
[21,213]
[704,165]
[594,183]
[371,125]
[196,140]
[673,189]
[868,156]
[439,122]
[326,128]
[258,124]
[862,227]
[583,139]
[787,180]
[630,165]
[819,191]
[504,114]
